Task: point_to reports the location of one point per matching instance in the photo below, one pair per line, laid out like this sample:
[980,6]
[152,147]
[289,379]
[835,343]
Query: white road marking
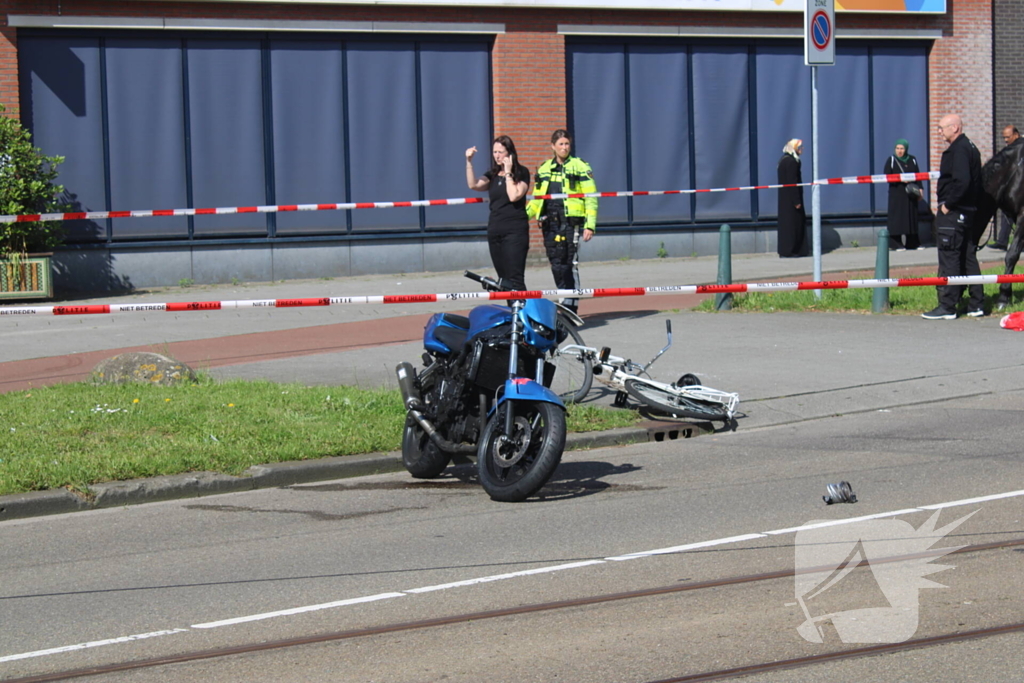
[688,546]
[298,610]
[839,522]
[972,501]
[94,643]
[500,577]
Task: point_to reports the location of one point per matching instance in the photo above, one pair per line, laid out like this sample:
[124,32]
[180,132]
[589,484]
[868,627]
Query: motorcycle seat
[451,337]
[456,320]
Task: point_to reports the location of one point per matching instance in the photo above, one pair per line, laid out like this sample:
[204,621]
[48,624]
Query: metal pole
[815,189]
[880,297]
[723,301]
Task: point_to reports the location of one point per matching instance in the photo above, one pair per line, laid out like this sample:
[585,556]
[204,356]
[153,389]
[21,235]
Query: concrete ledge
[197,484]
[301,471]
[38,503]
[170,487]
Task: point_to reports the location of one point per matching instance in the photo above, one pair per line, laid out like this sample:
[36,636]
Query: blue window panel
[456,97]
[598,86]
[382,137]
[147,135]
[226,125]
[783,113]
[307,80]
[61,107]
[659,131]
[900,84]
[843,132]
[721,102]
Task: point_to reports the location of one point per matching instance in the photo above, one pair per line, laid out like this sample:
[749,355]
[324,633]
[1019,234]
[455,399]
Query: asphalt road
[912,413]
[197,572]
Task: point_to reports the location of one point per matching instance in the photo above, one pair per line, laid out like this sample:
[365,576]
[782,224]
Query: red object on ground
[1014,321]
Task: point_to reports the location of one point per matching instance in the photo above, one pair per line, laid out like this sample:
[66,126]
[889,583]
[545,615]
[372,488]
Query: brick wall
[528,74]
[960,74]
[1008,65]
[9,68]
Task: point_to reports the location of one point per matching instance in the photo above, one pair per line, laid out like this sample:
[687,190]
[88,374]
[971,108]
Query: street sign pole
[815,189]
[819,50]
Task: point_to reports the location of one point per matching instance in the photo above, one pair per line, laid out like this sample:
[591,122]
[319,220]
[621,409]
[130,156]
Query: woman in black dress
[792,214]
[508,230]
[902,218]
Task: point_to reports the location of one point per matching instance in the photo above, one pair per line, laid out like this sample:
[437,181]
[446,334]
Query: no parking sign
[819,33]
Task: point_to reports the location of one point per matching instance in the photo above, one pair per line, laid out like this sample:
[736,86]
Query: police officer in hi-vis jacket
[562,220]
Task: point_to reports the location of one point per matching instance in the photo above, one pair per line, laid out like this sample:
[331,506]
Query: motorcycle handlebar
[487,282]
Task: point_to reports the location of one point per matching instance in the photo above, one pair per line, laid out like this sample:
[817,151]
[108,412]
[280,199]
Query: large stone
[142,367]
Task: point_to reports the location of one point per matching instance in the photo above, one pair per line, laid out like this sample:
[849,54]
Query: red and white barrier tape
[502,296]
[99,215]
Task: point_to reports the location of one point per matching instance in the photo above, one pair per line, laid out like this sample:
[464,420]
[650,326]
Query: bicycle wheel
[676,406]
[574,371]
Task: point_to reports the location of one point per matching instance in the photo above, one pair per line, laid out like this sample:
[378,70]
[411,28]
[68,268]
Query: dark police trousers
[957,243]
[561,241]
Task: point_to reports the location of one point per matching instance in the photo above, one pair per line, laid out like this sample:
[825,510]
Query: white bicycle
[685,398]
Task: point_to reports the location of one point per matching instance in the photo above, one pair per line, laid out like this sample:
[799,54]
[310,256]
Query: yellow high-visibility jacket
[576,178]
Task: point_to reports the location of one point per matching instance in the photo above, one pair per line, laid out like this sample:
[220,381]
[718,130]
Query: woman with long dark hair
[508,230]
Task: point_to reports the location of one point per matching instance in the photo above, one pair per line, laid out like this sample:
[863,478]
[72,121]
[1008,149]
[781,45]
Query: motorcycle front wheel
[420,455]
[513,467]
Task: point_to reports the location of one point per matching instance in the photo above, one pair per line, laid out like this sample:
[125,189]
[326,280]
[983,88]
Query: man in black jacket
[958,190]
[1011,136]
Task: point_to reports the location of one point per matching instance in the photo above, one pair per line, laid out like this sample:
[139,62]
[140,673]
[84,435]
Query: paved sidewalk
[65,348]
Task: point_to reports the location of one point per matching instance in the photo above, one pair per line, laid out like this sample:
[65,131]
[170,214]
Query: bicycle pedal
[603,355]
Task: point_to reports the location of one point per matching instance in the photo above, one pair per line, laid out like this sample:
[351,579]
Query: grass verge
[74,435]
[902,300]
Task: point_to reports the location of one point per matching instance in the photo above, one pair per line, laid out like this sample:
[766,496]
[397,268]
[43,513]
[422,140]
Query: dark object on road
[1002,179]
[839,493]
[144,368]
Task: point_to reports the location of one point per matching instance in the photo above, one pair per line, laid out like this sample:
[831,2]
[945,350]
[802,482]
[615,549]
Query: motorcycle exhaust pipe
[414,403]
[407,385]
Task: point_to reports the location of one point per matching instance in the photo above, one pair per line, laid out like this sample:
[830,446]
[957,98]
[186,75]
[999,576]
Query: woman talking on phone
[508,230]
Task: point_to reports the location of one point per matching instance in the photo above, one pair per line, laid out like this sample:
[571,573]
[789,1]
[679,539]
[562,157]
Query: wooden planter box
[30,279]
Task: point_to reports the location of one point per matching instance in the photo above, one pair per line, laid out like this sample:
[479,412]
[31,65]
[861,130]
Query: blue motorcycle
[484,391]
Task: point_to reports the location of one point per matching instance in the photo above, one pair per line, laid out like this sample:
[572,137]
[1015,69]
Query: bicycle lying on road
[685,398]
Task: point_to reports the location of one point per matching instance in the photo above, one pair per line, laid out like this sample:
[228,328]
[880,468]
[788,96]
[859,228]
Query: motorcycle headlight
[542,330]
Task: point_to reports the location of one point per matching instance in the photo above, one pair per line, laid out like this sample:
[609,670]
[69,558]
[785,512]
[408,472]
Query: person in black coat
[958,190]
[902,216]
[792,215]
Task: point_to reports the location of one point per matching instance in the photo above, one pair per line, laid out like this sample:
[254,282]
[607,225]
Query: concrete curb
[200,484]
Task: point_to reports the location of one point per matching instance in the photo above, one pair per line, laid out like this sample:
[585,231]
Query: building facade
[161,105]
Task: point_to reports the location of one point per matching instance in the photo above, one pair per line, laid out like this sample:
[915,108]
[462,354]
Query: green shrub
[27,187]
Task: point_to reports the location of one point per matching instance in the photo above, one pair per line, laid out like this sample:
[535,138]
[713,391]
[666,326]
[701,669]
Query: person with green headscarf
[904,198]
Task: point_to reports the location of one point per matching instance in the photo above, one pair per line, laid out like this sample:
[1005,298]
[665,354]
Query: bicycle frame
[614,371]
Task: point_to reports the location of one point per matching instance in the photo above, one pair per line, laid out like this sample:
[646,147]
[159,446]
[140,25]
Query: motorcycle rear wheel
[511,470]
[420,455]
